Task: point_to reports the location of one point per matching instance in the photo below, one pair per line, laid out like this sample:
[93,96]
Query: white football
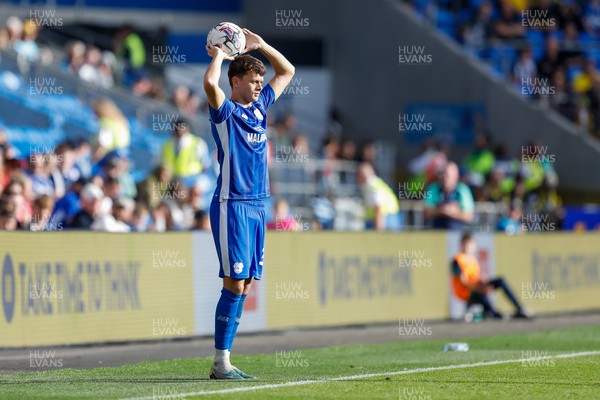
[228,37]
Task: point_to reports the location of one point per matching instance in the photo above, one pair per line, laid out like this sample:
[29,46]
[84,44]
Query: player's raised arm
[284,70]
[214,93]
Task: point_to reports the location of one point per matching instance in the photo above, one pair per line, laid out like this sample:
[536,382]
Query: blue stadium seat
[446,22]
[586,38]
[594,55]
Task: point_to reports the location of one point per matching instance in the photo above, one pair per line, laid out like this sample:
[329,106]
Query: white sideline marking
[351,377]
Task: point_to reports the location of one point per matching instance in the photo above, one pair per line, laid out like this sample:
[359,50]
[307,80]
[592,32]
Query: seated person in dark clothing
[90,199]
[449,203]
[468,285]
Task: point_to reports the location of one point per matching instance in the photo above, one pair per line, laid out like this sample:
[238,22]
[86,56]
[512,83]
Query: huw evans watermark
[413,327]
[413,123]
[413,259]
[168,259]
[413,55]
[291,19]
[537,291]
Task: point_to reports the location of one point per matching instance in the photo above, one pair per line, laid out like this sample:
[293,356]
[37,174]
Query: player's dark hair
[244,64]
[466,237]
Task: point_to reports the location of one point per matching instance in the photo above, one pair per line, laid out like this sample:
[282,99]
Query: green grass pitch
[554,364]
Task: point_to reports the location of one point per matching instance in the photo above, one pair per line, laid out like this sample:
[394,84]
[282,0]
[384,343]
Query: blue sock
[238,315]
[225,318]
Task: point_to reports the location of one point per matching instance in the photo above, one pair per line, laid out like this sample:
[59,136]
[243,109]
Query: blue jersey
[241,137]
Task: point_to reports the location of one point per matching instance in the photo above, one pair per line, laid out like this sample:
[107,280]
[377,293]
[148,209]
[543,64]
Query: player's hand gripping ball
[228,37]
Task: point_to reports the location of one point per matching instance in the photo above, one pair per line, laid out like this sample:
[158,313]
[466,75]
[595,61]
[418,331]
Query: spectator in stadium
[497,187]
[67,206]
[5,148]
[181,211]
[19,195]
[551,60]
[426,167]
[26,47]
[283,221]
[570,46]
[117,167]
[480,29]
[182,208]
[42,211]
[181,97]
[569,14]
[12,33]
[471,287]
[428,151]
[509,25]
[193,104]
[587,85]
[500,182]
[449,203]
[532,167]
[281,133]
[131,52]
[74,56]
[546,201]
[480,161]
[118,219]
[196,198]
[328,177]
[8,222]
[140,219]
[348,150]
[91,197]
[82,153]
[381,203]
[348,154]
[162,219]
[39,174]
[368,152]
[113,134]
[591,17]
[111,189]
[525,70]
[503,161]
[511,222]
[152,190]
[563,99]
[185,154]
[550,10]
[106,69]
[62,169]
[89,71]
[201,221]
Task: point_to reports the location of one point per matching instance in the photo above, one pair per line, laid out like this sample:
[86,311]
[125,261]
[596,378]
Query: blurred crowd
[523,187]
[126,64]
[87,183]
[547,48]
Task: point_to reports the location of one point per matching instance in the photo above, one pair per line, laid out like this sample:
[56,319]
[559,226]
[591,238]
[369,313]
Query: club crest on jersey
[258,114]
[238,267]
[256,137]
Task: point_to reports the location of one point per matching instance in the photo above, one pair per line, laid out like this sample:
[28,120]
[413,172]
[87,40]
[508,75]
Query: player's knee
[234,285]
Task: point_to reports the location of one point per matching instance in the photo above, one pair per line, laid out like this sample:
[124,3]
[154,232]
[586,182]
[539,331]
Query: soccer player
[237,212]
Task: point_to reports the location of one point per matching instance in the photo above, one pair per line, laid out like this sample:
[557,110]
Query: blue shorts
[238,228]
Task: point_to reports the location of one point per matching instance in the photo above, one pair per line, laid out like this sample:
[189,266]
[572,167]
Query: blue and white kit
[237,211]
